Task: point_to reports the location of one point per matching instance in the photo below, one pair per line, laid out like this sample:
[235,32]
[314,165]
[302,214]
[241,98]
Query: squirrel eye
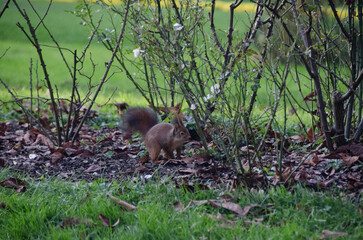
[181,133]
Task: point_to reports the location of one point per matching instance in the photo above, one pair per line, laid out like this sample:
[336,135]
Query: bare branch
[119,39]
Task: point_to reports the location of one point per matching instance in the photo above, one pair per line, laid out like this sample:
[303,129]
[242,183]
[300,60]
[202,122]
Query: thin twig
[109,64]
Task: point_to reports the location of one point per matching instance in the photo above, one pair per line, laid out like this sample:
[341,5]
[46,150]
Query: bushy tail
[139,120]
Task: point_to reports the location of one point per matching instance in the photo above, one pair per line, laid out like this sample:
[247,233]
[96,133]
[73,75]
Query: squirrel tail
[139,120]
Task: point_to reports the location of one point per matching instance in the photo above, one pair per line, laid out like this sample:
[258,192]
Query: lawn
[67,30]
[167,208]
[47,209]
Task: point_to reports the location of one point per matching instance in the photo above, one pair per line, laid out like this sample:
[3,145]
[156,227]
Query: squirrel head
[180,132]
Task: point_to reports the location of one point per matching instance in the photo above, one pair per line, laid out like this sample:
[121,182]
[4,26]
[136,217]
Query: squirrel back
[157,136]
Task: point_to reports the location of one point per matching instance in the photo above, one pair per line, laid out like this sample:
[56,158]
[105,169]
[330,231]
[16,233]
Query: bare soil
[105,154]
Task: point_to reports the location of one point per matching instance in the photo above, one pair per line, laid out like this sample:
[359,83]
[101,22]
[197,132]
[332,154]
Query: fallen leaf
[83,153]
[199,202]
[286,173]
[42,140]
[178,206]
[310,133]
[349,160]
[225,220]
[144,159]
[93,168]
[70,222]
[123,204]
[4,205]
[234,207]
[116,223]
[313,160]
[142,169]
[247,209]
[189,170]
[329,234]
[14,183]
[55,157]
[105,220]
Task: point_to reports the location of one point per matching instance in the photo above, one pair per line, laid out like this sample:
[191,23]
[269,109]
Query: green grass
[38,212]
[66,28]
[14,66]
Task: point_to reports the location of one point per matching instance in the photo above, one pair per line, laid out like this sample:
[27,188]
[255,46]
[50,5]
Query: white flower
[193,107]
[224,75]
[215,89]
[177,27]
[137,52]
[208,97]
[110,30]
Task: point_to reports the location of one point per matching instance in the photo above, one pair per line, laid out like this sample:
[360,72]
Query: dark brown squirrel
[156,136]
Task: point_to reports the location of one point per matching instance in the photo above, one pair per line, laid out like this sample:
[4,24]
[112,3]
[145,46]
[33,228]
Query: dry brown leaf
[246,149]
[14,183]
[188,160]
[4,205]
[123,204]
[84,153]
[105,220]
[310,133]
[42,140]
[199,202]
[349,160]
[286,173]
[116,223]
[189,170]
[234,207]
[247,209]
[142,169]
[144,159]
[329,234]
[93,168]
[178,206]
[225,220]
[54,157]
[313,160]
[70,222]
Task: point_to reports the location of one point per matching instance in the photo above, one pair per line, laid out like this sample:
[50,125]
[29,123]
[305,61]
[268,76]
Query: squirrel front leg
[168,153]
[178,152]
[154,153]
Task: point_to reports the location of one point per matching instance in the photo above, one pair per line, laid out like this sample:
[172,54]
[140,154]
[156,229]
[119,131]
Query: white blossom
[208,97]
[137,52]
[177,27]
[110,30]
[215,89]
[193,106]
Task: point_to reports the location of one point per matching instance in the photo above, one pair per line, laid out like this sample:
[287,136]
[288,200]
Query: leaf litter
[104,153]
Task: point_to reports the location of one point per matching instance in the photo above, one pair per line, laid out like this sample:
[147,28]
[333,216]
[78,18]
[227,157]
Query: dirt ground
[105,154]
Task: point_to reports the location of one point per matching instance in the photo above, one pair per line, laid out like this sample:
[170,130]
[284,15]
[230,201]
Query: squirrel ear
[176,128]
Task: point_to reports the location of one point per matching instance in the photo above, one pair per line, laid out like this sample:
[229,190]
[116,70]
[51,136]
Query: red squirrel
[156,136]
